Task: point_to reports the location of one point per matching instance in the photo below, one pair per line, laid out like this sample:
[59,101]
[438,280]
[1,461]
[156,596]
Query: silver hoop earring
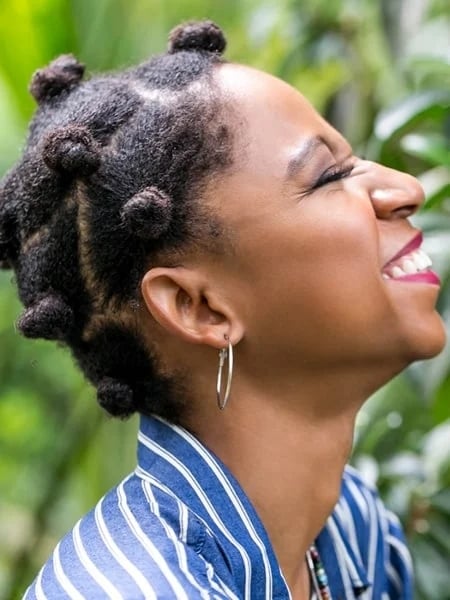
[224,353]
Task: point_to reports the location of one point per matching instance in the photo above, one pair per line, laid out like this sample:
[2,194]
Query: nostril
[402,212]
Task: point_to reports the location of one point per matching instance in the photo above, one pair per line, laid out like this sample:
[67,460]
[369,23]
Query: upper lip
[413,244]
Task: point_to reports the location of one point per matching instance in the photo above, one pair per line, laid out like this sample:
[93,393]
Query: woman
[220,262]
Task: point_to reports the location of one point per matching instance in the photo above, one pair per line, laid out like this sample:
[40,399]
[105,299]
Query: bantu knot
[196,36]
[50,318]
[61,74]
[147,214]
[116,397]
[71,150]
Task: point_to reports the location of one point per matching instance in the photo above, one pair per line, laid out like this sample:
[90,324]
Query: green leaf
[440,406]
[415,108]
[441,501]
[433,148]
[431,568]
[439,531]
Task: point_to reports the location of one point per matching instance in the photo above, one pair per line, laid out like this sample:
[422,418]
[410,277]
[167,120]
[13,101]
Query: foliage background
[379,71]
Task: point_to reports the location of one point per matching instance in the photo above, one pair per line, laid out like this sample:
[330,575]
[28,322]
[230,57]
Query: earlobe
[181,302]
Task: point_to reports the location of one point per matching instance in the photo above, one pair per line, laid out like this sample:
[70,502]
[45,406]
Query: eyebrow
[302,155]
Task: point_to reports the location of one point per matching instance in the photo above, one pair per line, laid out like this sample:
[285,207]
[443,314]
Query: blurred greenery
[379,71]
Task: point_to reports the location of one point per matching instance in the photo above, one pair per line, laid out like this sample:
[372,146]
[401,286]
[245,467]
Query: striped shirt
[180,527]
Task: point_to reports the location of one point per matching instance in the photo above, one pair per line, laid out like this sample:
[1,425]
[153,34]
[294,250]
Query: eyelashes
[334,173]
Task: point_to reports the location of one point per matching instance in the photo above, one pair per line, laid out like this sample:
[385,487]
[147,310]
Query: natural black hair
[110,180]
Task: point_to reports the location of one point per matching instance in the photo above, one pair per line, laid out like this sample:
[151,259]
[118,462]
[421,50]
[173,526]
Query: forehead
[249,86]
[274,120]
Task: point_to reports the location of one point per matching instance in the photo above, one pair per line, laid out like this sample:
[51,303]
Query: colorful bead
[318,574]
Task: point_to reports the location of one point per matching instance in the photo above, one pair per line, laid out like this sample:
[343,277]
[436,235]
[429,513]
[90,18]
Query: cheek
[328,251]
[336,298]
[322,274]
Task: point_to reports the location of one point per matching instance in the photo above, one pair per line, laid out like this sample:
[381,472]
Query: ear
[183,303]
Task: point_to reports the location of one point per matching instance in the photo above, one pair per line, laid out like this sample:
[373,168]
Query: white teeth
[385,276]
[397,272]
[420,261]
[425,258]
[410,266]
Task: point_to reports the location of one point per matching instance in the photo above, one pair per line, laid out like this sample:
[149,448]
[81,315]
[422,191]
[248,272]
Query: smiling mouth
[414,262]
[411,264]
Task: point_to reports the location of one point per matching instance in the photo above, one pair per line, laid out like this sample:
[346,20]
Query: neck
[288,451]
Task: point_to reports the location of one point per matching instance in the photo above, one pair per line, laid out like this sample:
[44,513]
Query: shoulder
[374,535]
[139,541]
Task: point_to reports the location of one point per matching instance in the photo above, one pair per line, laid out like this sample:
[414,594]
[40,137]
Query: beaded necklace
[319,578]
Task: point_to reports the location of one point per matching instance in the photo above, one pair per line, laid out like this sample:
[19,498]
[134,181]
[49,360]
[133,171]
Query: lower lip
[423,277]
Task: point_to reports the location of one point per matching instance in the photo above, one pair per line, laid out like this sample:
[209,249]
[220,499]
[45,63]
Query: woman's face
[315,228]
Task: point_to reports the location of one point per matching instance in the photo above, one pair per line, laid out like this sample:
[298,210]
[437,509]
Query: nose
[394,195]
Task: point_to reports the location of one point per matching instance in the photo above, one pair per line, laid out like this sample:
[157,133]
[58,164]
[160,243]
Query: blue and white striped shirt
[180,527]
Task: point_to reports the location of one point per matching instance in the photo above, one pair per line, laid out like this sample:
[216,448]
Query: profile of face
[319,269]
[326,269]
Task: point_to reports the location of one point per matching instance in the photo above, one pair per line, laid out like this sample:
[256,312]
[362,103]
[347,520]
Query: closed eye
[333,174]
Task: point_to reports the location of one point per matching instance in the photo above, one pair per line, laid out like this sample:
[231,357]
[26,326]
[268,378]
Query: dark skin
[315,326]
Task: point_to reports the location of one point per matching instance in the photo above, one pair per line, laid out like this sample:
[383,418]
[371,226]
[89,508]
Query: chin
[427,342]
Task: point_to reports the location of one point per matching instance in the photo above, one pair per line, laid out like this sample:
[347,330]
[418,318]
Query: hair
[110,181]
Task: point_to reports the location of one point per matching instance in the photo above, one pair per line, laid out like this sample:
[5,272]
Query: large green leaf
[433,148]
[416,108]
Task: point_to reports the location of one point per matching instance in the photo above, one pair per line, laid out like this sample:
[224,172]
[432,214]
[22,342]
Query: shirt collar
[343,567]
[195,475]
[183,464]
